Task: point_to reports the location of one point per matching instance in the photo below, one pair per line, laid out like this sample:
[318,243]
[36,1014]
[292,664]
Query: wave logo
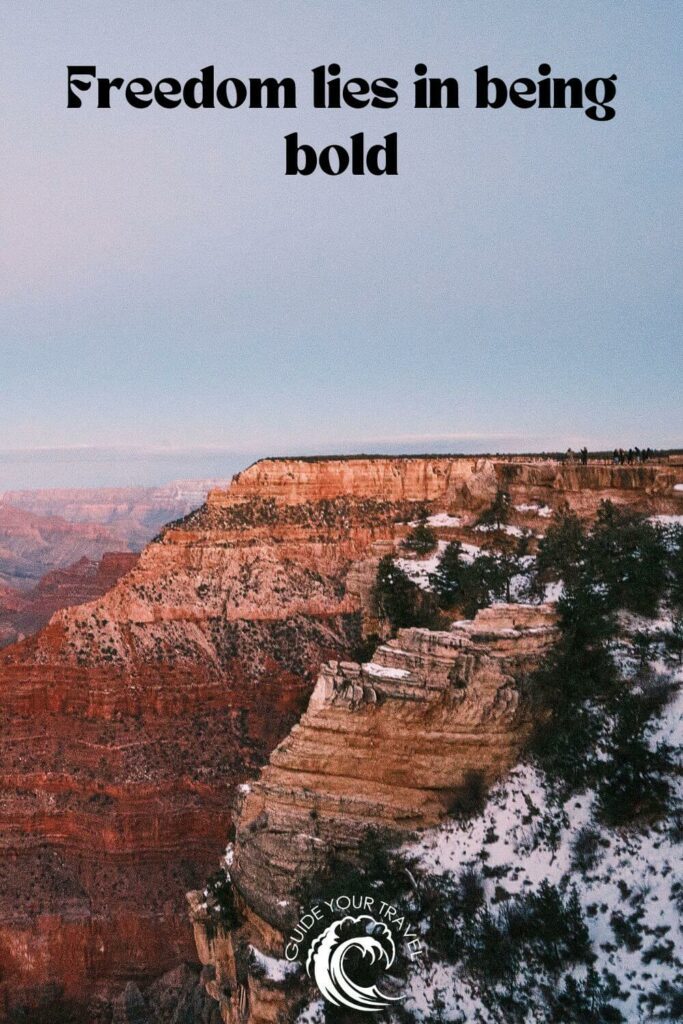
[361,946]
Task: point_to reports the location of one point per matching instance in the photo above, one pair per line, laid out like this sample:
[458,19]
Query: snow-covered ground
[443,519]
[273,968]
[544,511]
[513,531]
[638,874]
[419,569]
[384,671]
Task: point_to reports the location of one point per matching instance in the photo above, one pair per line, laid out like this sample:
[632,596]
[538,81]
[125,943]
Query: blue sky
[165,290]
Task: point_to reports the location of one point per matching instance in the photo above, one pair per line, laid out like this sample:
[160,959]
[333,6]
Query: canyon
[32,545]
[41,530]
[392,745]
[64,547]
[24,612]
[130,722]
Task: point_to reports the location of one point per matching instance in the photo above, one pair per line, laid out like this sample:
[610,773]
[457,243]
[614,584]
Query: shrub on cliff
[628,556]
[449,579]
[221,910]
[470,586]
[522,955]
[595,728]
[421,539]
[400,601]
[675,548]
[498,513]
[634,783]
[562,551]
[623,554]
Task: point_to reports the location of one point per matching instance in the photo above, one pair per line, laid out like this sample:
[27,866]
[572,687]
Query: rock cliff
[24,613]
[129,722]
[392,744]
[32,545]
[133,514]
[462,481]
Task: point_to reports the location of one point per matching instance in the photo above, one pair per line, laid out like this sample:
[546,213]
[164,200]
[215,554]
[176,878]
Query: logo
[349,944]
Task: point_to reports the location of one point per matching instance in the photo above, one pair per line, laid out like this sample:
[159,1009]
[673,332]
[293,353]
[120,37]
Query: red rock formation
[127,722]
[134,514]
[390,744]
[12,605]
[23,614]
[31,545]
[461,480]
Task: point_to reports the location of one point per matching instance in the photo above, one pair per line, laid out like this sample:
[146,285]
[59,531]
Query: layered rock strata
[392,744]
[32,545]
[24,613]
[462,481]
[127,723]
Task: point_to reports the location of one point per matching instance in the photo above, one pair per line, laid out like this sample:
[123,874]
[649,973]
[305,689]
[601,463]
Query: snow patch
[544,511]
[384,671]
[273,968]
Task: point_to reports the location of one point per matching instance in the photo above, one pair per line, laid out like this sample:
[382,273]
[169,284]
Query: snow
[273,968]
[470,552]
[668,520]
[678,487]
[544,511]
[635,872]
[443,519]
[384,671]
[513,531]
[553,592]
[419,569]
[314,1013]
[523,838]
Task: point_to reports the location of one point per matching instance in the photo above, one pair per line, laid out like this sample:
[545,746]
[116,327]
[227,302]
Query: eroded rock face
[463,481]
[22,614]
[645,488]
[133,514]
[391,744]
[127,723]
[32,545]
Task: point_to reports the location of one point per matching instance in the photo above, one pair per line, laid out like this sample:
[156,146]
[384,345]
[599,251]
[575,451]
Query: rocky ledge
[393,744]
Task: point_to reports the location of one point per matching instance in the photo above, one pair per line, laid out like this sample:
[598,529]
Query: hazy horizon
[83,467]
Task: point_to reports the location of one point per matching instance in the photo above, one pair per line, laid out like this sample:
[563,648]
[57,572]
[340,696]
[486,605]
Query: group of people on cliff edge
[620,457]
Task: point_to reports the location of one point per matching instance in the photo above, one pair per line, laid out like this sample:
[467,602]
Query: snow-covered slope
[628,882]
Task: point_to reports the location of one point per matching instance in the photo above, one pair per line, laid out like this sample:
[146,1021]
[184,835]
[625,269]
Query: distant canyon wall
[129,722]
[461,481]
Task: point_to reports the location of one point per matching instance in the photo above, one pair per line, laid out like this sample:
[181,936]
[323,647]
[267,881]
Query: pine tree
[422,539]
[562,551]
[498,512]
[449,578]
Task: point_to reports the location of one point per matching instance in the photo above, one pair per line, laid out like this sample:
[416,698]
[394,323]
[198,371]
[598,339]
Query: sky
[173,305]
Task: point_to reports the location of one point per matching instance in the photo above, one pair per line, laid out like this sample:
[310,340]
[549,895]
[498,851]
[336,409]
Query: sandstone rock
[31,545]
[85,580]
[390,744]
[129,722]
